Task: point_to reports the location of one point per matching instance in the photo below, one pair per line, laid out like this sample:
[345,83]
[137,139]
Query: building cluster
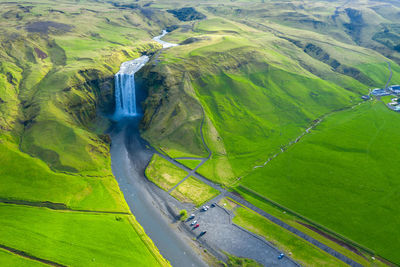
[391,90]
[394,104]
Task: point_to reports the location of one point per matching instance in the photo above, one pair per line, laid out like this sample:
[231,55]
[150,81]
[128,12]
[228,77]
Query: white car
[193,223]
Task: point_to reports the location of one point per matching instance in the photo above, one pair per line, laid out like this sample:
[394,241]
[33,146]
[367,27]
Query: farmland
[346,168]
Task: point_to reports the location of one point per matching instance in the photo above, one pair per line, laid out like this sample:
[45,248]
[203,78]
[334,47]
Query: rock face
[94,93]
[187,14]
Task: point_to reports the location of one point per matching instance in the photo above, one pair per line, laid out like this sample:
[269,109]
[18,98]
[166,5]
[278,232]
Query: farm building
[395,89]
[380,92]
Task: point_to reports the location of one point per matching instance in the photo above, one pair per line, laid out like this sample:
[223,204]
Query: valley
[111,134]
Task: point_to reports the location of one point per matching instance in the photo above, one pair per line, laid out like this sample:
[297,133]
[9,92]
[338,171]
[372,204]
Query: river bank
[130,156]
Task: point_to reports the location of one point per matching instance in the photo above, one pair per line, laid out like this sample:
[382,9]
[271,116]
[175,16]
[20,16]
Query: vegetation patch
[46,26]
[186,14]
[163,173]
[194,191]
[234,261]
[228,203]
[183,215]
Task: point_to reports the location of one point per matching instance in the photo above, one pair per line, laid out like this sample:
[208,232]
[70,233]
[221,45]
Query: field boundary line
[31,257]
[54,206]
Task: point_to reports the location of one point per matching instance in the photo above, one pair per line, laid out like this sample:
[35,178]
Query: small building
[395,89]
[380,92]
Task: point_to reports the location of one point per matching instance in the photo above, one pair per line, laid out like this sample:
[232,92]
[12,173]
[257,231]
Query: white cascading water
[125,91]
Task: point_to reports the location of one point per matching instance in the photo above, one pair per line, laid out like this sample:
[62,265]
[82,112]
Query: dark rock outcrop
[187,14]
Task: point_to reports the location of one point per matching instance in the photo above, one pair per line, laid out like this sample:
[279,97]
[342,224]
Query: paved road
[221,233]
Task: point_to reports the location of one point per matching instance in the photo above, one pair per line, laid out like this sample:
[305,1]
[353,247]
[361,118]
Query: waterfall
[125,91]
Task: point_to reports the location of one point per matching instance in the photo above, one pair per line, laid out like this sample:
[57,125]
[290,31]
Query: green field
[194,191]
[163,173]
[346,168]
[55,232]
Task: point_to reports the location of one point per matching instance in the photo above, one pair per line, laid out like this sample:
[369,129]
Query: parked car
[193,223]
[281,256]
[204,208]
[203,233]
[197,225]
[191,216]
[213,205]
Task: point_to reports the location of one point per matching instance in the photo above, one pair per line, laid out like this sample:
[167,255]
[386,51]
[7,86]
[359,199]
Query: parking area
[222,234]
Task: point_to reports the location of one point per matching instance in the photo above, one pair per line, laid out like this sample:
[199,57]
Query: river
[130,155]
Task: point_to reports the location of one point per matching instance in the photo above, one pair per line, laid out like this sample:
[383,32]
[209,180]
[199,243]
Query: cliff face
[95,93]
[172,113]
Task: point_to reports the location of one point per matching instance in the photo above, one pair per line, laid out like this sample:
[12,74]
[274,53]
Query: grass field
[194,191]
[163,173]
[27,178]
[55,232]
[346,168]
